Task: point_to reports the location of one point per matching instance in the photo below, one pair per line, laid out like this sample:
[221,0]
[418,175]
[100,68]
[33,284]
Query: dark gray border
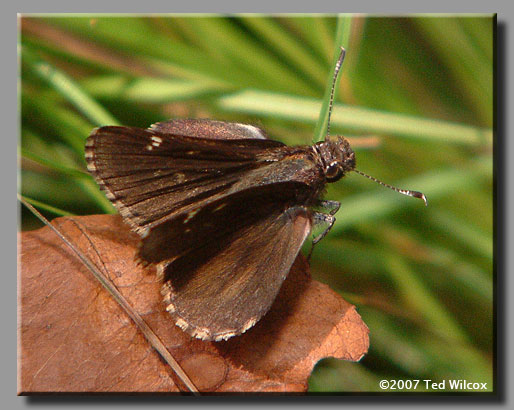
[504,169]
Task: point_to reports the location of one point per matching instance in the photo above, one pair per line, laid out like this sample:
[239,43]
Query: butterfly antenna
[332,91]
[407,192]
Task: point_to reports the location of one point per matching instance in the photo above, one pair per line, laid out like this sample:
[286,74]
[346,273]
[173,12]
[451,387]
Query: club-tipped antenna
[407,192]
[332,91]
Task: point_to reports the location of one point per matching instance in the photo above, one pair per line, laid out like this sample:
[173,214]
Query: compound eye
[333,172]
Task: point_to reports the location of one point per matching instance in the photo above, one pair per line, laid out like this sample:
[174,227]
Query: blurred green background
[415,99]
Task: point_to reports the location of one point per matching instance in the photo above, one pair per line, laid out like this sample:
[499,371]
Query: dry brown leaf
[74,337]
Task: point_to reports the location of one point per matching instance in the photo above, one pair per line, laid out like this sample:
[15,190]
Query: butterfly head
[337,158]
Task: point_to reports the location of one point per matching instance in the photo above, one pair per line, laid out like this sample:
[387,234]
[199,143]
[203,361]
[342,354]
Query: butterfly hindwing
[203,128]
[223,289]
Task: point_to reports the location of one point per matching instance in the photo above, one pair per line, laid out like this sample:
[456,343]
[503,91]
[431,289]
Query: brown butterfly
[222,211]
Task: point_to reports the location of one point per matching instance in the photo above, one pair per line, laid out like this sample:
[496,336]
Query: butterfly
[221,209]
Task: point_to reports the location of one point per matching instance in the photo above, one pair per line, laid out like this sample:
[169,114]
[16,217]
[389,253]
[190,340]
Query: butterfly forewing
[150,175]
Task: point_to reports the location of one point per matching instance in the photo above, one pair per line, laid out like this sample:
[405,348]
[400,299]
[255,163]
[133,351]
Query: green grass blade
[317,31]
[355,119]
[472,73]
[47,207]
[341,40]
[69,126]
[419,297]
[467,275]
[147,89]
[288,46]
[69,89]
[466,233]
[71,172]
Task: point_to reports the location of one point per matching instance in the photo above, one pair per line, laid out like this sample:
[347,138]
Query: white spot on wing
[182,324]
[224,336]
[203,334]
[249,324]
[156,141]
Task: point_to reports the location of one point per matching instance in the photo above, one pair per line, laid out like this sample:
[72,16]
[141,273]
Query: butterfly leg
[330,206]
[324,220]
